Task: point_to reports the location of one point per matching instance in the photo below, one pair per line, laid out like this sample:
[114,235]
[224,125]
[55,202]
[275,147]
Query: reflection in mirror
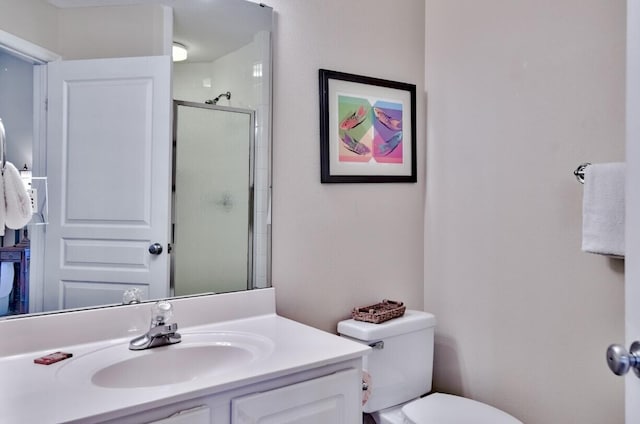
[228,43]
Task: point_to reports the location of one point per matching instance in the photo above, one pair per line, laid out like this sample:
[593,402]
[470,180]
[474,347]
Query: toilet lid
[440,408]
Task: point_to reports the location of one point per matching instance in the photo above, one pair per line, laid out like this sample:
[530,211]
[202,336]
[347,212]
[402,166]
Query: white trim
[632,239]
[26,50]
[167,35]
[36,232]
[37,56]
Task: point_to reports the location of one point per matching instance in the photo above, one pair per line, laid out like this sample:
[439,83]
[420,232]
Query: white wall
[519,94]
[342,245]
[16,107]
[200,81]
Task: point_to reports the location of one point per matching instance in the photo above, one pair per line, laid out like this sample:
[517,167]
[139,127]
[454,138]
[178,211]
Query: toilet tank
[402,368]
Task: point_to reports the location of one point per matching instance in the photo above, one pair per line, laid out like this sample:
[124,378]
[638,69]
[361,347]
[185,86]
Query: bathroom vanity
[238,362]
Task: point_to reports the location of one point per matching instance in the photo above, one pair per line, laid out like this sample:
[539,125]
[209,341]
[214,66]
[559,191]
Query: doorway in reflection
[16,113]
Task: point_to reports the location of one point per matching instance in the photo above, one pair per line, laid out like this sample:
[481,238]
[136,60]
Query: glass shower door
[212,199]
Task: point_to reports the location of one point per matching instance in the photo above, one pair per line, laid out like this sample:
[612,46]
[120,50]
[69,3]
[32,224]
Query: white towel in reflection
[603,209]
[17,200]
[6,278]
[3,207]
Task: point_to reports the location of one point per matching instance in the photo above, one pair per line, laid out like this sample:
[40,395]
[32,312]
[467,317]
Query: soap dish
[380,312]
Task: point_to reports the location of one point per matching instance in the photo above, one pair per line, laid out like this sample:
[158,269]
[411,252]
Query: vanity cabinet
[330,399]
[329,394]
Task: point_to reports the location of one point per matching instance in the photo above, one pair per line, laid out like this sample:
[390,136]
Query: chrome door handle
[620,361]
[155,249]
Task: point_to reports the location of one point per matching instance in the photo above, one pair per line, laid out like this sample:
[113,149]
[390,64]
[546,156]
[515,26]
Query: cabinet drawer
[10,256]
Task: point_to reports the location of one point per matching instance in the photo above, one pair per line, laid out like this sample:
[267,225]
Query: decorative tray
[380,312]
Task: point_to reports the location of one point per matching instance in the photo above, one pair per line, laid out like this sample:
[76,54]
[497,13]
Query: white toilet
[399,370]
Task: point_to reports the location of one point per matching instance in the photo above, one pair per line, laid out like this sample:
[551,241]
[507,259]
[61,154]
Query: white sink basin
[198,355]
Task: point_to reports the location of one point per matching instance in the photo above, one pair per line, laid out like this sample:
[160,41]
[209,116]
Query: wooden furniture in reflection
[20,255]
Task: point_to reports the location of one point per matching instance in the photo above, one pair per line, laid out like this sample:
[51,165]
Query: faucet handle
[161,313]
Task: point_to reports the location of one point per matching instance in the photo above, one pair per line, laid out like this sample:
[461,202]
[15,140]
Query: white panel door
[109,175]
[632,231]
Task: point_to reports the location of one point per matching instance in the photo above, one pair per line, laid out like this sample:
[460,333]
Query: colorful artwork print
[367,129]
[369,132]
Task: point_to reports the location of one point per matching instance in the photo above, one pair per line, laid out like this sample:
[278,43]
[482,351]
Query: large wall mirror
[217,166]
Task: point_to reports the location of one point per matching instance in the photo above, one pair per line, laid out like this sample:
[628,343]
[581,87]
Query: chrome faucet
[160,333]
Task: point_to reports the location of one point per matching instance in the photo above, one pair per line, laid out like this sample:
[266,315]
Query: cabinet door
[331,399]
[109,174]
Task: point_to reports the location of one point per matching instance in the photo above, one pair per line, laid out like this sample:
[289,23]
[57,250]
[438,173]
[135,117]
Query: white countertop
[32,393]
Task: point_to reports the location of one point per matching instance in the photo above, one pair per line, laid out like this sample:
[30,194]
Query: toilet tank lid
[366,331]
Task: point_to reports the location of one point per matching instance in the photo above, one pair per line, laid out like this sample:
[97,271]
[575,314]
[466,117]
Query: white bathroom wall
[519,94]
[16,107]
[336,246]
[200,81]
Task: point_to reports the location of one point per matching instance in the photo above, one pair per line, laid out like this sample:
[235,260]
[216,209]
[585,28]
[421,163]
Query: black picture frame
[361,142]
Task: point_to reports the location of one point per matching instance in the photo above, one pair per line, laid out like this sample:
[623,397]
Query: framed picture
[367,129]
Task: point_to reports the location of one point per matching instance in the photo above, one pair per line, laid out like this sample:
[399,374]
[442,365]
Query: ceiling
[208,28]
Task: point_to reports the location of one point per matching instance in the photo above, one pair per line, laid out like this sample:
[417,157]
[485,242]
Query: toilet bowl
[399,370]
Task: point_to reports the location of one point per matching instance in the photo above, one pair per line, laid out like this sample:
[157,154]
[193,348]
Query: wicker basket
[380,312]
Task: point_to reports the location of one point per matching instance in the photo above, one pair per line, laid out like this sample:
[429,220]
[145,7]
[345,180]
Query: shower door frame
[251,277]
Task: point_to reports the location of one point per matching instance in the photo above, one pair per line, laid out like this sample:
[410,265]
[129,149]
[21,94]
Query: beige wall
[89,32]
[120,31]
[34,21]
[519,94]
[341,245]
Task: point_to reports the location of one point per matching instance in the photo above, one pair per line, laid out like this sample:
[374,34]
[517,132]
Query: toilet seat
[440,408]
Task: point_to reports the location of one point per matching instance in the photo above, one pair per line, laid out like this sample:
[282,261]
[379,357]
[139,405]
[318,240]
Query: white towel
[3,208]
[6,278]
[17,200]
[603,209]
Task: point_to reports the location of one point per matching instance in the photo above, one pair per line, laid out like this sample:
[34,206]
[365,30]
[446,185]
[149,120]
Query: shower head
[217,99]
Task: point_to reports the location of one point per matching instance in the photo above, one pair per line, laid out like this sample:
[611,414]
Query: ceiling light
[179,52]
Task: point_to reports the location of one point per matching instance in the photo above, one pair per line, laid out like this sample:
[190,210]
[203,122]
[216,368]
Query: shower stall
[212,214]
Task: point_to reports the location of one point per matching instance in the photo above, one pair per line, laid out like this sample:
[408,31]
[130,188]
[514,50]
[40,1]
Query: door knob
[155,249]
[619,360]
